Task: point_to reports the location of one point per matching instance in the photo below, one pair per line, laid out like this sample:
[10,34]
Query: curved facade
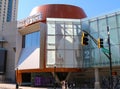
[33,51]
[59,11]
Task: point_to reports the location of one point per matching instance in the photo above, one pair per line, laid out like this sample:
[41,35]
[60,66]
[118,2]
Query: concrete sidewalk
[12,86]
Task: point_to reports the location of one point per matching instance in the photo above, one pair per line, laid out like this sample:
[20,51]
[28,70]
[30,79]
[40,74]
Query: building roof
[59,11]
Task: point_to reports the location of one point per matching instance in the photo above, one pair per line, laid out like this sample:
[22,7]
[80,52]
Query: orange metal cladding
[54,11]
[59,11]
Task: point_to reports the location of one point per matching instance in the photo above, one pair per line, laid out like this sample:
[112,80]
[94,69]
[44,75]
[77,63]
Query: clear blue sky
[91,7]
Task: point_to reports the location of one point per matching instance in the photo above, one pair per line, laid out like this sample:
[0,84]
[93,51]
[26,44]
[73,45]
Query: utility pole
[110,59]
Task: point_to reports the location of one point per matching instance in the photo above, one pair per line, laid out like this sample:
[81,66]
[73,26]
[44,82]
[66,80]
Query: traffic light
[100,43]
[84,38]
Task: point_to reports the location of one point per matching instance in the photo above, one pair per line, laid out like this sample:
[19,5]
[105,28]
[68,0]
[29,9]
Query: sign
[30,20]
[105,50]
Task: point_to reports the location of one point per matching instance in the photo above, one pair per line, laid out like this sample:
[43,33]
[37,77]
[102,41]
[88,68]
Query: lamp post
[110,59]
[17,86]
[55,76]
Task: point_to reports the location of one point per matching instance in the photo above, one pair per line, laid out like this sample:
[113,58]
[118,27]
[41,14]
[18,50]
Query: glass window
[51,57]
[50,42]
[95,56]
[103,58]
[112,22]
[102,24]
[86,57]
[52,29]
[93,26]
[68,42]
[85,25]
[114,36]
[119,34]
[104,36]
[118,20]
[60,42]
[115,53]
[69,58]
[76,42]
[95,36]
[68,31]
[68,26]
[59,29]
[32,40]
[60,58]
[86,54]
[76,29]
[51,39]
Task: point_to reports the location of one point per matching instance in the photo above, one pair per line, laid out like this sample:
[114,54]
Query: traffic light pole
[110,59]
[108,55]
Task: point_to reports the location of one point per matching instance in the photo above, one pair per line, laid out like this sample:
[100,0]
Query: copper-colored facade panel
[59,11]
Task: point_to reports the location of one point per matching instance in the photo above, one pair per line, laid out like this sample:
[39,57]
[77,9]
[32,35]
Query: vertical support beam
[18,77]
[97,82]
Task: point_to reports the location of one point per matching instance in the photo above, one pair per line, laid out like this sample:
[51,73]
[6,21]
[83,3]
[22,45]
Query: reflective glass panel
[69,58]
[102,24]
[68,42]
[59,29]
[114,36]
[51,57]
[60,42]
[60,57]
[50,42]
[112,22]
[76,29]
[118,20]
[115,53]
[85,25]
[52,29]
[76,42]
[32,40]
[93,26]
[95,55]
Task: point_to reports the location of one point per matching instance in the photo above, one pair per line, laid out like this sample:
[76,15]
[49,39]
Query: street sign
[105,50]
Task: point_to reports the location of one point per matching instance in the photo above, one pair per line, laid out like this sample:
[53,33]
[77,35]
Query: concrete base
[97,85]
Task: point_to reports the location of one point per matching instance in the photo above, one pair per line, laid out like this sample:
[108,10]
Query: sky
[92,8]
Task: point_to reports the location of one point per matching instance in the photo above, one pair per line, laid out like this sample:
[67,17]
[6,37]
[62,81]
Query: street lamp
[110,59]
[55,76]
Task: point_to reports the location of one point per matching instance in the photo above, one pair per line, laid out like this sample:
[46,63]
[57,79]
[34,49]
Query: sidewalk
[12,86]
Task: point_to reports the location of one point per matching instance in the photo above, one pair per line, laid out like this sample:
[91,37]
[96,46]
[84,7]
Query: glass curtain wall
[63,44]
[64,38]
[97,27]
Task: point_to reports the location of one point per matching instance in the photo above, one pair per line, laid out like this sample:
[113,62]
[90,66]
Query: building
[35,26]
[95,58]
[8,25]
[8,11]
[58,54]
